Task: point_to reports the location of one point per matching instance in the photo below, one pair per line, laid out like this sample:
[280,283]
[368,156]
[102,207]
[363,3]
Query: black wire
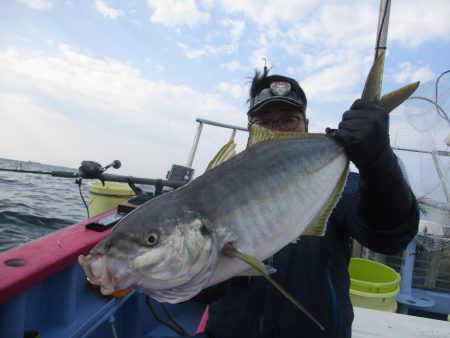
[173,320]
[78,181]
[173,327]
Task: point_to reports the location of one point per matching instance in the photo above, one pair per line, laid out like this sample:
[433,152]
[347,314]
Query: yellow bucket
[375,301]
[105,198]
[373,285]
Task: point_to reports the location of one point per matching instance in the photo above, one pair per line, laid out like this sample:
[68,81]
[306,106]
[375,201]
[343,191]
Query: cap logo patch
[280,88]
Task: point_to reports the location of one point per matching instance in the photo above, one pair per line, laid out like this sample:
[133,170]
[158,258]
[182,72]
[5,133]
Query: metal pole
[220,124]
[201,122]
[195,144]
[233,134]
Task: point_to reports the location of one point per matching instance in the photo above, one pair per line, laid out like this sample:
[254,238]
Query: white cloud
[336,82]
[235,28]
[267,12]
[208,50]
[101,109]
[108,12]
[414,22]
[232,65]
[208,3]
[177,13]
[38,4]
[410,73]
[156,67]
[235,90]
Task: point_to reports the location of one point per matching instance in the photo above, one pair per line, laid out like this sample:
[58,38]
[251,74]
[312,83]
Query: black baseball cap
[277,88]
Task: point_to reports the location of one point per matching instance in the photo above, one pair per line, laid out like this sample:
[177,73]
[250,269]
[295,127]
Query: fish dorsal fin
[317,226]
[259,134]
[230,250]
[225,153]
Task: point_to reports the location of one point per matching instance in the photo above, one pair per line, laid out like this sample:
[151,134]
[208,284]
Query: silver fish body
[260,200]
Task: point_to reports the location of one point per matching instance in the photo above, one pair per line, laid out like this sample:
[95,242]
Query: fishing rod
[382,30]
[93,170]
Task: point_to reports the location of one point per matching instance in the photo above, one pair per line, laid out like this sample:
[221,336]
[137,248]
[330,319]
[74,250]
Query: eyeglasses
[286,123]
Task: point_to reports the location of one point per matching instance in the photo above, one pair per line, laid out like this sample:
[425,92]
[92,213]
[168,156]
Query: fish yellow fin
[225,153]
[392,100]
[259,134]
[230,250]
[372,87]
[317,227]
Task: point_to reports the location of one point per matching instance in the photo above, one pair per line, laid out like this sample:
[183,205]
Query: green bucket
[373,285]
[105,198]
[371,276]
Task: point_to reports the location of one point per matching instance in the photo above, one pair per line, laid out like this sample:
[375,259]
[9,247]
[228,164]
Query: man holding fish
[287,200]
[377,208]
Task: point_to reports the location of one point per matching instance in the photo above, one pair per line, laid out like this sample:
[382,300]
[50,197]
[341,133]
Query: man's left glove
[364,132]
[385,198]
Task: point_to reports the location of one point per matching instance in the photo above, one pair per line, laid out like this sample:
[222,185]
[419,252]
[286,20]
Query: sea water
[33,205]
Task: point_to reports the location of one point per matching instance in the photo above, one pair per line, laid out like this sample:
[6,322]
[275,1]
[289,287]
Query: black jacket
[314,270]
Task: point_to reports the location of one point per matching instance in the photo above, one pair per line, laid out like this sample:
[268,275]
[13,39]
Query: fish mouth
[103,271]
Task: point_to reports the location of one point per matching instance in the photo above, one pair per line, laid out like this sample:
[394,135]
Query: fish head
[159,251]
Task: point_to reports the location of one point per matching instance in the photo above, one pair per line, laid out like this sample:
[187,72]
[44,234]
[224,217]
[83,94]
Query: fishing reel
[92,169]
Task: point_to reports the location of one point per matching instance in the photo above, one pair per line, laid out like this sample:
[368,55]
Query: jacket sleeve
[378,207]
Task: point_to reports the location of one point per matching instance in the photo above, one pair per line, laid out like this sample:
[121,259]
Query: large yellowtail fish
[282,186]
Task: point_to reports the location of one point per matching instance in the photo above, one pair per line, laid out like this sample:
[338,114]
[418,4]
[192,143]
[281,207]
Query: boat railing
[198,133]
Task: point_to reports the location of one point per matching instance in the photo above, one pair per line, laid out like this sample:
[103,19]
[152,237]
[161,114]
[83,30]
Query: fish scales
[276,206]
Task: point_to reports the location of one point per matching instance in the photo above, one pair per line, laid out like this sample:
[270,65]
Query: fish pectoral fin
[230,250]
[224,154]
[392,100]
[252,272]
[317,227]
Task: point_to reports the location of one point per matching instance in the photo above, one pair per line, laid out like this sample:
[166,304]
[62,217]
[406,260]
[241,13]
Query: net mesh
[420,136]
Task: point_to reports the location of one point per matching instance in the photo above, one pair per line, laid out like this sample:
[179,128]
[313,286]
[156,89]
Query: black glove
[364,132]
[385,197]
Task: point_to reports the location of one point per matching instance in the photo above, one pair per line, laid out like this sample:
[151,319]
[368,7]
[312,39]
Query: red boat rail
[33,262]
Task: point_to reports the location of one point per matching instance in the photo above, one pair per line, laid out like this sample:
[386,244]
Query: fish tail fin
[230,250]
[317,227]
[372,88]
[392,100]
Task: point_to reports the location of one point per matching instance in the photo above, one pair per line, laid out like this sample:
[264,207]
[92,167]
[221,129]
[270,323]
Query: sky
[114,79]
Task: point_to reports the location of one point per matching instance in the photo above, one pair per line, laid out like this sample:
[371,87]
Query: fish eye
[152,239]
